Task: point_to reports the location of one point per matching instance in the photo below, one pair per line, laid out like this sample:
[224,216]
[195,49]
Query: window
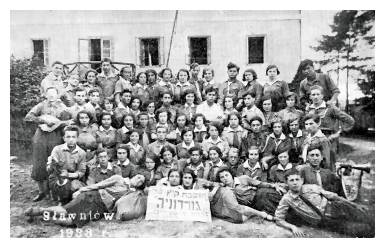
[94,50]
[256,49]
[200,50]
[150,51]
[40,51]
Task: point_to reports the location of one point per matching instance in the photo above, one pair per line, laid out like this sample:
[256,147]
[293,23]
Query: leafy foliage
[25,78]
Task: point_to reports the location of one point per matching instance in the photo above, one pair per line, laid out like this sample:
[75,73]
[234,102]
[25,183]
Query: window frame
[161,51]
[101,38]
[264,36]
[46,43]
[208,37]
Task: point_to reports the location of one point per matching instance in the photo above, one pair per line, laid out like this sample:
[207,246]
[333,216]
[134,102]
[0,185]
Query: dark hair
[140,101]
[125,147]
[100,150]
[143,186]
[104,113]
[217,125]
[195,116]
[252,72]
[124,117]
[237,114]
[153,157]
[138,75]
[93,91]
[57,63]
[305,63]
[217,149]
[256,118]
[124,67]
[206,69]
[90,71]
[314,117]
[162,110]
[249,93]
[314,147]
[167,148]
[292,172]
[271,67]
[290,94]
[106,60]
[77,119]
[194,65]
[179,115]
[153,72]
[183,70]
[223,169]
[185,130]
[71,128]
[167,92]
[276,120]
[173,170]
[135,130]
[211,89]
[233,97]
[191,172]
[232,65]
[163,70]
[189,91]
[195,148]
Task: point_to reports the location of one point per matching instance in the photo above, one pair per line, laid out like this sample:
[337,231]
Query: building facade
[251,39]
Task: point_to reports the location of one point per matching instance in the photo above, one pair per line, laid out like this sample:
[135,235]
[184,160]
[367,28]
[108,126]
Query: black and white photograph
[192,123]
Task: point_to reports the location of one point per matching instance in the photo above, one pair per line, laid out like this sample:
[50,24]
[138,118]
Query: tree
[350,29]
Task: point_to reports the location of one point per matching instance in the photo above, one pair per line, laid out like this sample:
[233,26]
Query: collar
[203,129]
[111,74]
[317,76]
[124,80]
[219,140]
[268,82]
[196,168]
[318,134]
[151,115]
[66,148]
[188,147]
[109,167]
[125,129]
[238,129]
[120,105]
[219,164]
[282,137]
[184,84]
[138,85]
[135,147]
[246,165]
[161,125]
[299,134]
[124,164]
[188,106]
[101,128]
[212,82]
[288,167]
[163,83]
[322,105]
[252,109]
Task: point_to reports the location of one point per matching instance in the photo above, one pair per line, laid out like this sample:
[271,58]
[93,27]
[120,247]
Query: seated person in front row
[103,169]
[66,166]
[315,206]
[251,167]
[313,173]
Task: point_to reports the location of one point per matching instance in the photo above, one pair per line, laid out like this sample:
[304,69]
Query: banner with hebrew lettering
[172,204]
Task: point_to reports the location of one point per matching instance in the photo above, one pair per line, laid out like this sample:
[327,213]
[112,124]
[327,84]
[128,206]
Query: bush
[25,78]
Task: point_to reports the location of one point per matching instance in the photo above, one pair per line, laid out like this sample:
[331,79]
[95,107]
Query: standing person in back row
[232,85]
[107,79]
[313,78]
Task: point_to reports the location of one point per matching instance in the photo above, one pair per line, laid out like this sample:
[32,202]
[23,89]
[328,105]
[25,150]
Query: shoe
[39,197]
[32,211]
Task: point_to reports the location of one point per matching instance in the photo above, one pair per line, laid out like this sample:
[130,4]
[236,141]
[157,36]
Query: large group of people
[259,149]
